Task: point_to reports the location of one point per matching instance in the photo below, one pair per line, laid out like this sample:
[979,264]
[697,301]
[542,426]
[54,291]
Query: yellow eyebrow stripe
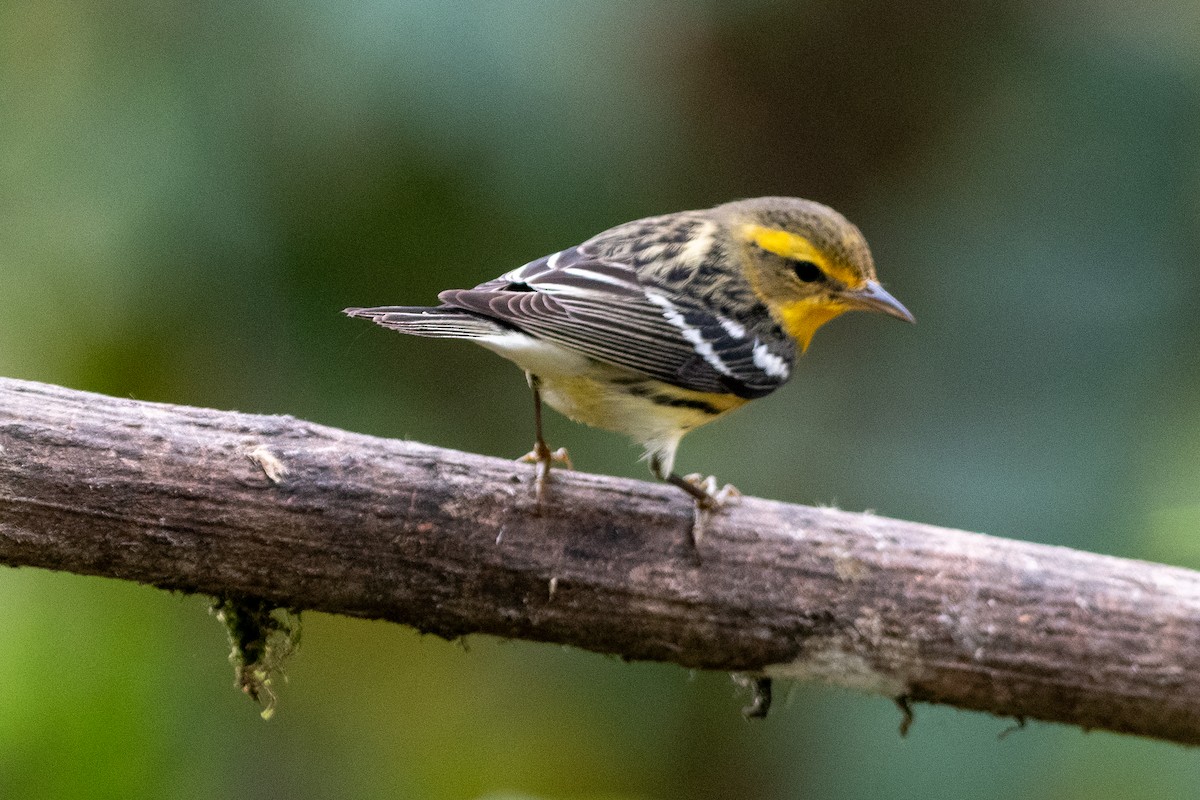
[794,246]
[785,244]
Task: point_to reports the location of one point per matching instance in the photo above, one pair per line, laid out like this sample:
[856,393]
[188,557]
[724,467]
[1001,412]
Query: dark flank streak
[683,402]
[640,389]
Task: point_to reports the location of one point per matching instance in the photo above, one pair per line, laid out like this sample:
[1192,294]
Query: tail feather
[440,322]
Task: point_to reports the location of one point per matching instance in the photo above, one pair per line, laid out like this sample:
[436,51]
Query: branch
[306,516]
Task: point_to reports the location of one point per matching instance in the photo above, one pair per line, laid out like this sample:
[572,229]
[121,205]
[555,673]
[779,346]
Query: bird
[658,326]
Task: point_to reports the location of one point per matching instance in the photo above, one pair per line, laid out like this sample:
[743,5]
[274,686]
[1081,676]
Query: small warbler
[658,326]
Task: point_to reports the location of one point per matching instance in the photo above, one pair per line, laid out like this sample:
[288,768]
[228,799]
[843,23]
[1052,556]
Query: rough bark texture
[311,517]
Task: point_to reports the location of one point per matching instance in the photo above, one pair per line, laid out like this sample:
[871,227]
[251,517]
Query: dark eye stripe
[807,271]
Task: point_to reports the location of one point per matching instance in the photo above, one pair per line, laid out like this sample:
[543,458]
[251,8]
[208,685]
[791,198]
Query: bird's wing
[598,307]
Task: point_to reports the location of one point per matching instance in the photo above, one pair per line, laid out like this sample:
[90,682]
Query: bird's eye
[807,271]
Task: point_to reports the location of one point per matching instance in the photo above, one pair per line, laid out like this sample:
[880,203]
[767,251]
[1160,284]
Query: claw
[561,456]
[709,499]
[543,457]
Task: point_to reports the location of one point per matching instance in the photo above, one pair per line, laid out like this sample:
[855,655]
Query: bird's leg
[541,454]
[703,490]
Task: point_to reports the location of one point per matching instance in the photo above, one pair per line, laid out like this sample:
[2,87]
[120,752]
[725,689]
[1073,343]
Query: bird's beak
[873,297]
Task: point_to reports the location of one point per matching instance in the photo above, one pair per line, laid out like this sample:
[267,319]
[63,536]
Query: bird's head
[806,262]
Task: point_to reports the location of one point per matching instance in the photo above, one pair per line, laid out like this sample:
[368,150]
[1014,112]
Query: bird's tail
[441,322]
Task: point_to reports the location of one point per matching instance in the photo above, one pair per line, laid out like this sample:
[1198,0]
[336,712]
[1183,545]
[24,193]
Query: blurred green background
[191,191]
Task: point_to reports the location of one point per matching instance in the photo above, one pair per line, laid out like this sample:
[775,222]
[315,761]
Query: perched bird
[658,326]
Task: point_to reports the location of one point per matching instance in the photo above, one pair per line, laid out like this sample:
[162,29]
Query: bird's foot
[709,499]
[543,457]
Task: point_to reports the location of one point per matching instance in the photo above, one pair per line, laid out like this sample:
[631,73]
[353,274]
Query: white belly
[536,355]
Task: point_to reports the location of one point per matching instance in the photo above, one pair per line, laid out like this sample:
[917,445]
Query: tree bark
[307,516]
